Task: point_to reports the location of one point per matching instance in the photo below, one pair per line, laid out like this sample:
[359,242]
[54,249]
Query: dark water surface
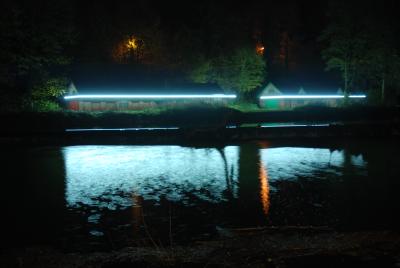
[106,197]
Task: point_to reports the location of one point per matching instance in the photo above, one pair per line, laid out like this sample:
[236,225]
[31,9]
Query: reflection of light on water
[137,213]
[357,160]
[291,162]
[106,176]
[264,188]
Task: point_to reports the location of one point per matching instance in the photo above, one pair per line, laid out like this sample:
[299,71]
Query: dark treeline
[238,45]
[361,41]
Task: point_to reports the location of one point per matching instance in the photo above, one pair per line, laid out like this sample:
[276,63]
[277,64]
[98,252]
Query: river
[106,197]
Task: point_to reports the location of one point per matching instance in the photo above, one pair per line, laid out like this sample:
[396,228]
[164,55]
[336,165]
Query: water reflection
[264,188]
[289,163]
[105,176]
[137,213]
[52,192]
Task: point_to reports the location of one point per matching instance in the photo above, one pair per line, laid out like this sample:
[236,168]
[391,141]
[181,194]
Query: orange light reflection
[264,188]
[137,213]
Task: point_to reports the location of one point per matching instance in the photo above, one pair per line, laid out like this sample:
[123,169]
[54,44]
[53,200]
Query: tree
[242,71]
[381,61]
[344,50]
[201,73]
[35,43]
[346,40]
[382,67]
[361,43]
[44,96]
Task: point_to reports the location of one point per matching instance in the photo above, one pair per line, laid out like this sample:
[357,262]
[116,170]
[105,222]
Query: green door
[272,104]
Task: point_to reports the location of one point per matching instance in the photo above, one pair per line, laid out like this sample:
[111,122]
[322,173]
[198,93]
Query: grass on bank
[195,116]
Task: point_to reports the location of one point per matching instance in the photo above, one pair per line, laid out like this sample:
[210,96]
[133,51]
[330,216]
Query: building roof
[270,89]
[302,91]
[297,89]
[127,80]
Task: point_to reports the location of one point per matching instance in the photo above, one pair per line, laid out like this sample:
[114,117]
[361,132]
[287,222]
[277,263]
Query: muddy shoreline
[251,247]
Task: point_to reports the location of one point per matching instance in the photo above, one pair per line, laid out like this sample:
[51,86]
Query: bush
[41,106]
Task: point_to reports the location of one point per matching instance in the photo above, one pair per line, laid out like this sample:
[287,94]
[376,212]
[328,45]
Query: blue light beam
[282,97]
[146,96]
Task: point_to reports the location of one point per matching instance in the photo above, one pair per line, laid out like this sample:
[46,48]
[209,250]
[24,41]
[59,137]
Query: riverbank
[187,136]
[197,124]
[194,117]
[251,247]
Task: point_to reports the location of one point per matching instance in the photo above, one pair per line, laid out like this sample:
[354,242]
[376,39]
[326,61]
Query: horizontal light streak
[297,125]
[357,96]
[282,97]
[119,129]
[283,125]
[156,96]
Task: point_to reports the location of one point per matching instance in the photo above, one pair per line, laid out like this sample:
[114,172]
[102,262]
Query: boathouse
[124,93]
[273,98]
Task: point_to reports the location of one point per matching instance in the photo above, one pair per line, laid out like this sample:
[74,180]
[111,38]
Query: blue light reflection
[107,176]
[288,163]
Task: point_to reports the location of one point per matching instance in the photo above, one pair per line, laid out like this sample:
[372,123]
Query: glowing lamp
[131,43]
